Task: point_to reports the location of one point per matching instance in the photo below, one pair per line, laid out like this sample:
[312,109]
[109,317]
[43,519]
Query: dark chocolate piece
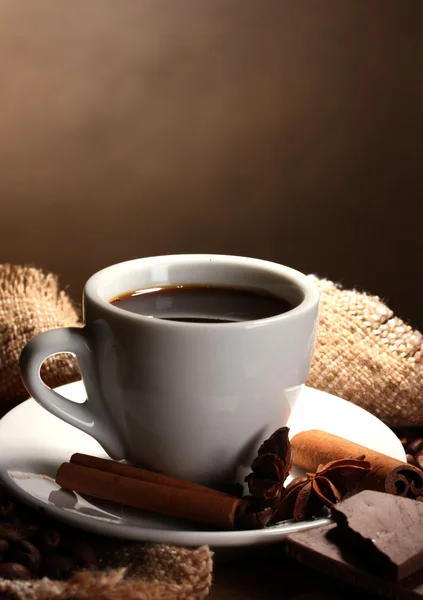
[319,549]
[387,530]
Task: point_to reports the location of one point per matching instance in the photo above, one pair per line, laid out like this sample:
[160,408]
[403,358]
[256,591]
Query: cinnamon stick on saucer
[118,468]
[314,447]
[188,503]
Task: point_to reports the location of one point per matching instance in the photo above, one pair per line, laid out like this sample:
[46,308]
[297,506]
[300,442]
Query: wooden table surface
[271,575]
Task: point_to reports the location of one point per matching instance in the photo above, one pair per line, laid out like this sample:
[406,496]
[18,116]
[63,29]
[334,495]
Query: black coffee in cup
[202,303]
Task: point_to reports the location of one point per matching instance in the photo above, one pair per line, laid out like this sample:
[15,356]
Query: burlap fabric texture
[367,355]
[30,303]
[132,572]
[364,354]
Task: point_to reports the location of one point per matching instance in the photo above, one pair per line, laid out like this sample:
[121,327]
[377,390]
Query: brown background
[289,130]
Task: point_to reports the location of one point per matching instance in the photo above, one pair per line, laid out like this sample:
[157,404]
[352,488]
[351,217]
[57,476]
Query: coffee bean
[415,446]
[82,553]
[15,532]
[411,460]
[58,566]
[10,570]
[24,553]
[31,545]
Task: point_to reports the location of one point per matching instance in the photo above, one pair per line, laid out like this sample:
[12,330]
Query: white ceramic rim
[307,286]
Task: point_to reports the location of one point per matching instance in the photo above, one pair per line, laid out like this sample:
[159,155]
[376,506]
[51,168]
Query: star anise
[305,496]
[266,481]
[271,467]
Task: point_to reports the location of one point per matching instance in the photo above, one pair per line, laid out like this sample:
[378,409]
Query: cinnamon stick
[314,447]
[218,510]
[111,466]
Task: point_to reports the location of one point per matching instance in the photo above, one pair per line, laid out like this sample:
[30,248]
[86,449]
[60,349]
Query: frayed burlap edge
[153,572]
[368,356]
[31,302]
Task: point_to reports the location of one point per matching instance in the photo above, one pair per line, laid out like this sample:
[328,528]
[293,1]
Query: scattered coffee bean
[32,546]
[26,554]
[415,446]
[14,533]
[412,440]
[14,571]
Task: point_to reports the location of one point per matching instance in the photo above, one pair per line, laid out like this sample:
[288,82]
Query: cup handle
[92,416]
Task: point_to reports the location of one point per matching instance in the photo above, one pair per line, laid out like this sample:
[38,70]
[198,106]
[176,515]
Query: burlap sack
[363,354]
[30,303]
[368,356]
[133,572]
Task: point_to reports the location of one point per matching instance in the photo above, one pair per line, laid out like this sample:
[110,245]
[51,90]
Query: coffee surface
[202,304]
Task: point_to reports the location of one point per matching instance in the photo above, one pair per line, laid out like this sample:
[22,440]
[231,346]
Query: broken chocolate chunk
[387,530]
[320,549]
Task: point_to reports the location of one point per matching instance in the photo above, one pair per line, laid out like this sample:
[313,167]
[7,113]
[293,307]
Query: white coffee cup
[192,400]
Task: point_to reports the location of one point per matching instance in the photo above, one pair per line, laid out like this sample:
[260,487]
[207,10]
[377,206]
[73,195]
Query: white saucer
[33,443]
